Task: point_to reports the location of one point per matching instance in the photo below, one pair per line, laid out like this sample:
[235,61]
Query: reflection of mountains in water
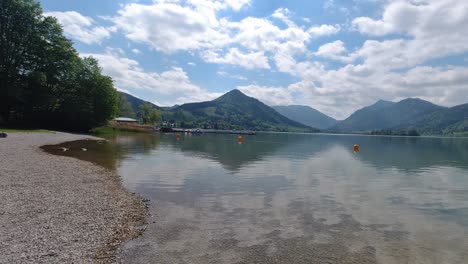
[226,150]
[404,153]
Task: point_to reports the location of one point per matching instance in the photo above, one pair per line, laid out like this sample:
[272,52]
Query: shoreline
[58,209]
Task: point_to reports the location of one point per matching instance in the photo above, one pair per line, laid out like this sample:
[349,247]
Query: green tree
[149,115]
[43,80]
[19,30]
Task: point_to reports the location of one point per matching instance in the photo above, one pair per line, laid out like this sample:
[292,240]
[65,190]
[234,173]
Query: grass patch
[22,130]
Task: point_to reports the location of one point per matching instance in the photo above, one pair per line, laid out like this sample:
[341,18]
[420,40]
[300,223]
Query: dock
[210,131]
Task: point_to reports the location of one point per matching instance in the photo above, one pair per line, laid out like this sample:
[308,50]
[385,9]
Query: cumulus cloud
[323,30]
[391,67]
[80,27]
[333,50]
[127,74]
[196,25]
[251,60]
[434,29]
[269,95]
[340,92]
[170,26]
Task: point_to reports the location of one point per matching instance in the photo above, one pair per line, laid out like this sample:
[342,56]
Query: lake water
[293,198]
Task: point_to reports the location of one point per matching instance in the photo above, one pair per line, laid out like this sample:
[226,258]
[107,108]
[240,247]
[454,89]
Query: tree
[43,80]
[149,115]
[19,24]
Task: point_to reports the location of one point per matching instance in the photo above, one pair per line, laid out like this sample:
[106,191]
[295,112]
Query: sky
[334,55]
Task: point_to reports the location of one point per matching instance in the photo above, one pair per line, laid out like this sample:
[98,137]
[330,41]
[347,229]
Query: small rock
[3,135]
[84,149]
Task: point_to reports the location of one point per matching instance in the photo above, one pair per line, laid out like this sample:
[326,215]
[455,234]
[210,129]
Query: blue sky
[335,56]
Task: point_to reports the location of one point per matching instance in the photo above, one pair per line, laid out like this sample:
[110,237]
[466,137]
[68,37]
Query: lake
[293,198]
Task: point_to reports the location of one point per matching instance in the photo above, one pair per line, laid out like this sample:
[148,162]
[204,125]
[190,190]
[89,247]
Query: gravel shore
[58,209]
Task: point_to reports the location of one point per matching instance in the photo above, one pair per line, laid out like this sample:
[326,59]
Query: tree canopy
[149,115]
[43,80]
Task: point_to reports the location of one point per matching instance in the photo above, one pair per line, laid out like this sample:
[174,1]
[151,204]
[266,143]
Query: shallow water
[293,198]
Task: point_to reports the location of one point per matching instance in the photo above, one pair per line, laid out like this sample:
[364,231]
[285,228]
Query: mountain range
[386,115]
[235,110]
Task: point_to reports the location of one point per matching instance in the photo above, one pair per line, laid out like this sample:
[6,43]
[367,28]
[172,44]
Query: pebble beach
[57,209]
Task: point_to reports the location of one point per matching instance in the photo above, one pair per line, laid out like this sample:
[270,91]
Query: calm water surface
[293,198]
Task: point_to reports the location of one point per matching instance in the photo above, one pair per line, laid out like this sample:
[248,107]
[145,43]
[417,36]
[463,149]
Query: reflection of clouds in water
[164,168]
[228,214]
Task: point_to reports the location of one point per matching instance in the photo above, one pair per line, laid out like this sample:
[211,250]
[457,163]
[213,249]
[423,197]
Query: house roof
[125,119]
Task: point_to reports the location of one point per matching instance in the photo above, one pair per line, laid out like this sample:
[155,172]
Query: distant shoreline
[61,209]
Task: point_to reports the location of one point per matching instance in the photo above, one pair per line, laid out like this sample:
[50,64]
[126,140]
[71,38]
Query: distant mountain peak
[233,93]
[234,96]
[381,101]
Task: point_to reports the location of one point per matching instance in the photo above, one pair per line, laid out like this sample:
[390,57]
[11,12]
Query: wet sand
[57,209]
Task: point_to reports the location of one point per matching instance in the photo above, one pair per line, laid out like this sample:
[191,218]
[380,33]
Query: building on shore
[126,120]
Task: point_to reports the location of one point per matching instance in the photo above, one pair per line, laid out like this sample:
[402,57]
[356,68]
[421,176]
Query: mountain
[233,110]
[306,115]
[447,121]
[386,115]
[135,102]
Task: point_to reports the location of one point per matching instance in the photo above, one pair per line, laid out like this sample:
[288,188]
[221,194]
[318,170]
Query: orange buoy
[239,139]
[177,136]
[356,148]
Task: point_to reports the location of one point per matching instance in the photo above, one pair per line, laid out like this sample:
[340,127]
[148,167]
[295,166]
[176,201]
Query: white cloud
[191,63]
[434,29]
[196,25]
[283,15]
[80,27]
[170,26]
[268,95]
[323,30]
[333,50]
[340,92]
[128,75]
[136,51]
[251,60]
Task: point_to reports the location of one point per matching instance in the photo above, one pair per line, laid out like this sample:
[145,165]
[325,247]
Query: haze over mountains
[306,115]
[235,110]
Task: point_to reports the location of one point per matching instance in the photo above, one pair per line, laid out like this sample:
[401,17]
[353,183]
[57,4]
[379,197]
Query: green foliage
[149,115]
[448,121]
[43,80]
